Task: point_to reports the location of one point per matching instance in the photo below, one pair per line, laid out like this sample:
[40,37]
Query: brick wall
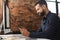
[23,14]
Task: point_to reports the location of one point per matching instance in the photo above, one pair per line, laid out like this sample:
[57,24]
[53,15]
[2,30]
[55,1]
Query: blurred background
[21,13]
[1,16]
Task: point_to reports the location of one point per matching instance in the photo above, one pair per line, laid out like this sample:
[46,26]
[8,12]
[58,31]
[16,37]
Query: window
[52,6]
[50,0]
[58,0]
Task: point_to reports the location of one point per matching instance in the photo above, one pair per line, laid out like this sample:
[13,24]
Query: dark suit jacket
[50,28]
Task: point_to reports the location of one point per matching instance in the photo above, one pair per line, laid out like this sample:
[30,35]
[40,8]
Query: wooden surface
[1,10]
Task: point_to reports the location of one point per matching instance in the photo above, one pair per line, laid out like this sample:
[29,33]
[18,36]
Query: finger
[20,29]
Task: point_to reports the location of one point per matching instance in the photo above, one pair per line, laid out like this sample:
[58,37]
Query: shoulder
[53,16]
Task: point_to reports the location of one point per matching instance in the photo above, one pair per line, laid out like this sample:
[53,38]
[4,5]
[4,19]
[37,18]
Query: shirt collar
[47,15]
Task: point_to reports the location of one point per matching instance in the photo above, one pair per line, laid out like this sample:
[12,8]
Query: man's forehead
[37,5]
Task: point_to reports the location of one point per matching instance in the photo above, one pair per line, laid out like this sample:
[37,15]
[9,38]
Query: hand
[24,32]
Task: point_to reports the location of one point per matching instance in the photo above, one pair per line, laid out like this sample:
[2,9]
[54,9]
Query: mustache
[42,13]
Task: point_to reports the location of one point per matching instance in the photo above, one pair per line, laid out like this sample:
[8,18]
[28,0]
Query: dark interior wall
[23,14]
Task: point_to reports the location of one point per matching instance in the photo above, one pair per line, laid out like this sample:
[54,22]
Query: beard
[42,13]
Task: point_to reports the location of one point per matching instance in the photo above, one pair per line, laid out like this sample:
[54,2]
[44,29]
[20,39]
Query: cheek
[40,10]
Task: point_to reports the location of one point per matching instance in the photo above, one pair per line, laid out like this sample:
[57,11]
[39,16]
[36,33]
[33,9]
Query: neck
[46,12]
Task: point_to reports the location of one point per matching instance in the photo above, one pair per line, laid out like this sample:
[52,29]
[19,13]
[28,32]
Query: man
[49,25]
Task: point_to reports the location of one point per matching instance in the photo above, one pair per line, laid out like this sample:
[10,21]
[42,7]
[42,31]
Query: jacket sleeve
[51,29]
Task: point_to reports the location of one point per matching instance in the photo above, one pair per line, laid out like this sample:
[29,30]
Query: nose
[38,11]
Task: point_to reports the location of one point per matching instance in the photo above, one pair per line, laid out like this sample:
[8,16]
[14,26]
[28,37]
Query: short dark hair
[40,2]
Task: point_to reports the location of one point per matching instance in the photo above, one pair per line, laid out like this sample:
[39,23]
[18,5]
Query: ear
[44,6]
